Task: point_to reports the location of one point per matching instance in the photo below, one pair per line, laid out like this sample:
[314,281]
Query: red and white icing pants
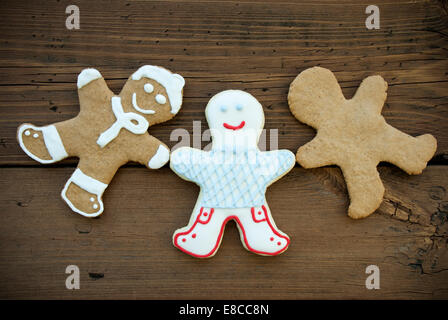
[258,232]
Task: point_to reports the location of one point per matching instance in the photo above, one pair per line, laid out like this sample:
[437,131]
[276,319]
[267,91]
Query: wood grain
[256,46]
[259,47]
[128,253]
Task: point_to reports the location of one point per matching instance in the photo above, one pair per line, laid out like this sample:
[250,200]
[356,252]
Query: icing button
[183,240]
[95,206]
[272,239]
[205,214]
[36,135]
[148,88]
[193,235]
[279,243]
[259,212]
[27,132]
[92,199]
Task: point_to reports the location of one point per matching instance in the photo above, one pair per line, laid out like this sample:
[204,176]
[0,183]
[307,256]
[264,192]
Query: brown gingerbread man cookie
[354,135]
[108,132]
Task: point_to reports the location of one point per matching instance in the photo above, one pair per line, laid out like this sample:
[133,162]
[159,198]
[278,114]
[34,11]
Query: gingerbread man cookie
[108,132]
[233,177]
[354,135]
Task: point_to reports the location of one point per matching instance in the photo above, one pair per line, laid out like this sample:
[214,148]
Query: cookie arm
[280,162]
[371,94]
[316,153]
[149,151]
[186,162]
[409,153]
[93,91]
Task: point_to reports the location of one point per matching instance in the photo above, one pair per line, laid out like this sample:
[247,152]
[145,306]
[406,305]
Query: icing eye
[223,108]
[160,98]
[148,88]
[239,107]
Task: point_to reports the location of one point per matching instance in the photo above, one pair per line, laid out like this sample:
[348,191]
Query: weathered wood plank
[130,244]
[255,46]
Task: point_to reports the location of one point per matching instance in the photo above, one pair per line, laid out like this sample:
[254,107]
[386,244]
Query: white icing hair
[172,82]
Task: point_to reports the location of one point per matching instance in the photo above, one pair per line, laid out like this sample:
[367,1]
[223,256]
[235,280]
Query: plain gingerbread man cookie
[233,177]
[108,132]
[354,135]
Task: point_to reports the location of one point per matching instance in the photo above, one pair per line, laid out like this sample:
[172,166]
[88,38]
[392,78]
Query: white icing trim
[160,158]
[173,83]
[136,107]
[53,143]
[88,184]
[88,75]
[124,120]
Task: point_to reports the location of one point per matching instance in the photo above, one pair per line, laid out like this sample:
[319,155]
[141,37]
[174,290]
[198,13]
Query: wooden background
[255,46]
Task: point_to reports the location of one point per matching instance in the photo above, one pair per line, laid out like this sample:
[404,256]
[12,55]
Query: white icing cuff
[86,76]
[88,184]
[54,143]
[160,158]
[52,139]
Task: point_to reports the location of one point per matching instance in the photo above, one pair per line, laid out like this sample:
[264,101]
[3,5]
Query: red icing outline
[228,126]
[252,211]
[218,240]
[205,214]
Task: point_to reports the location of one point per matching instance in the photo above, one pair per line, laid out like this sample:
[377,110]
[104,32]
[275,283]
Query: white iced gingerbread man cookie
[233,177]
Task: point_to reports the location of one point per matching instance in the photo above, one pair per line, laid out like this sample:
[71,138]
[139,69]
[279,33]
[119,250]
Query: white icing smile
[136,107]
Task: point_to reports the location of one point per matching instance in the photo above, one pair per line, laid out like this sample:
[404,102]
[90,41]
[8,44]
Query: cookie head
[315,96]
[154,92]
[234,112]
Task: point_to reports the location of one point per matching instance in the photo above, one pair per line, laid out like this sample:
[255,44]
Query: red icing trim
[252,211]
[218,240]
[228,126]
[205,214]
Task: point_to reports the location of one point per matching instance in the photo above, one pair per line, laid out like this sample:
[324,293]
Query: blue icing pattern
[232,179]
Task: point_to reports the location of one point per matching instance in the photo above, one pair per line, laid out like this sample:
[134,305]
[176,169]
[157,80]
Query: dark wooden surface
[255,46]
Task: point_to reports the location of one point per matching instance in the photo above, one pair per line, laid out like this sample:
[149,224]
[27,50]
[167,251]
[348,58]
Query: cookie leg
[42,144]
[202,237]
[259,233]
[83,194]
[364,188]
[409,153]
